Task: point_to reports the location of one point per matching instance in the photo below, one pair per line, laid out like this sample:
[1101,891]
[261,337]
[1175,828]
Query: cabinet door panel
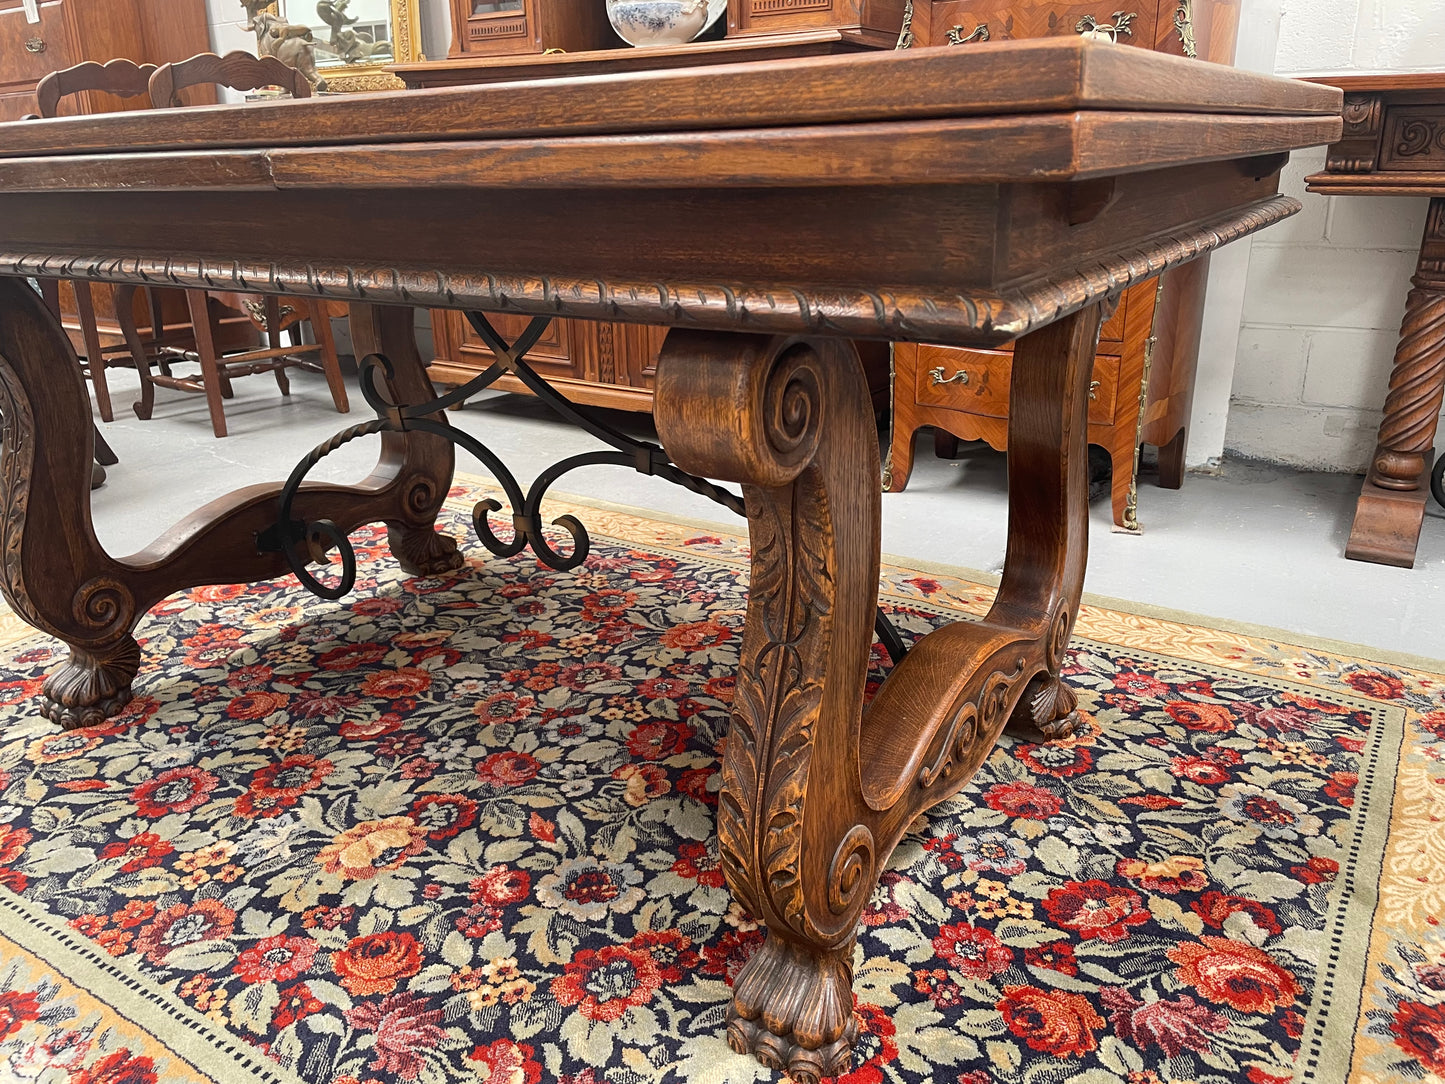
[552,356]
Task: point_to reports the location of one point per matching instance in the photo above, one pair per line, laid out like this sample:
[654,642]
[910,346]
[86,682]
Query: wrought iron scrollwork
[309,542]
[1437,482]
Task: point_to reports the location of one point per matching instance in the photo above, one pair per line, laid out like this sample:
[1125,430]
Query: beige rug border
[1362,652]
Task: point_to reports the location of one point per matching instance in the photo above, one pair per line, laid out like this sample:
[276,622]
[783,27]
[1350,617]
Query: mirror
[357,39]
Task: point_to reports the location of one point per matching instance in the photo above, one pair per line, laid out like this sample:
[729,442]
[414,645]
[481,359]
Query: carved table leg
[55,574]
[414,541]
[816,793]
[53,570]
[792,421]
[1392,503]
[1048,472]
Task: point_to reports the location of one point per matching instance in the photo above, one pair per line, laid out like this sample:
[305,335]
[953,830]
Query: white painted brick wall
[1326,290]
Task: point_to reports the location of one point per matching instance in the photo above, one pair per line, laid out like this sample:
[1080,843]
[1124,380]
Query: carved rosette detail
[1362,113]
[105,607]
[851,870]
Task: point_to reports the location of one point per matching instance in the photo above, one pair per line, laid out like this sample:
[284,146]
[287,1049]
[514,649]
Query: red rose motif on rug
[1023,800]
[603,984]
[405,1029]
[1096,909]
[1051,1021]
[1234,974]
[375,964]
[972,950]
[1419,1031]
[276,959]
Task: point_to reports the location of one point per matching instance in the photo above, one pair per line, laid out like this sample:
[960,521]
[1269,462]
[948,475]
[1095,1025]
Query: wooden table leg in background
[1392,503]
[56,574]
[816,791]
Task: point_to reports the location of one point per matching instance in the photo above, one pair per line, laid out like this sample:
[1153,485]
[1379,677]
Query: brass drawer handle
[1093,390]
[956,35]
[1090,27]
[936,377]
[34,45]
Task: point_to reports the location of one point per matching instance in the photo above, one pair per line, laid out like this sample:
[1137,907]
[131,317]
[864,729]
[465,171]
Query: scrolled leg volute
[58,578]
[55,574]
[792,421]
[816,793]
[422,461]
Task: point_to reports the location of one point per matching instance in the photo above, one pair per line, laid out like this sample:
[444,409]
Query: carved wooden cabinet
[600,364]
[609,364]
[37,40]
[507,27]
[1154,335]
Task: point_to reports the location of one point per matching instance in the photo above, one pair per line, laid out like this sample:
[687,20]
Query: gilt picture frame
[371,74]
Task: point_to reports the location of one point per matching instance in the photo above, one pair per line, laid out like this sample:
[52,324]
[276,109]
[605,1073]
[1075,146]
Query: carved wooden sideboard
[1153,339]
[612,364]
[1394,145]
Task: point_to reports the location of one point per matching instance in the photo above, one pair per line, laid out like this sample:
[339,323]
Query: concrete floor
[1252,543]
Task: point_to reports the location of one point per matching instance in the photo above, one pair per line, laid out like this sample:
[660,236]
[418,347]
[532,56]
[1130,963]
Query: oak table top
[756,209]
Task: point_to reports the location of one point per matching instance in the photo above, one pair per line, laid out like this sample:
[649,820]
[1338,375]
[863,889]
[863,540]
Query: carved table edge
[908,315]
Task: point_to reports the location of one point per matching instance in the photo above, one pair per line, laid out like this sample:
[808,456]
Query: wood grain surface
[1060,75]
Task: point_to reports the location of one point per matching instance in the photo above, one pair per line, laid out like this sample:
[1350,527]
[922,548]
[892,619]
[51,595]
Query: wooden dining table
[769,214]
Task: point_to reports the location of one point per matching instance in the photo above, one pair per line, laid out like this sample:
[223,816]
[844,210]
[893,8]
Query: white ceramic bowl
[662,22]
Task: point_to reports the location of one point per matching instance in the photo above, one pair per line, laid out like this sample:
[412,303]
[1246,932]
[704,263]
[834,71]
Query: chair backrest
[123,78]
[236,71]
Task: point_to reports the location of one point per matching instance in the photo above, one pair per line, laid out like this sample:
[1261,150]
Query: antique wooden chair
[167,335]
[124,79]
[240,71]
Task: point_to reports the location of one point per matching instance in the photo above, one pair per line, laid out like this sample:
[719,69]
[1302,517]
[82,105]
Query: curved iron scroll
[303,542]
[1437,482]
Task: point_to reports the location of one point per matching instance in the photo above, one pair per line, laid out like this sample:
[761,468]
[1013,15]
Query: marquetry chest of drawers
[1154,335]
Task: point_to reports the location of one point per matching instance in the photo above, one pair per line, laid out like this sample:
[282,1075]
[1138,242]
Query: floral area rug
[463,829]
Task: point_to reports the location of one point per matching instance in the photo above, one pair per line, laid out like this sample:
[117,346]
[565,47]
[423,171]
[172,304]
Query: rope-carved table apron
[768,213]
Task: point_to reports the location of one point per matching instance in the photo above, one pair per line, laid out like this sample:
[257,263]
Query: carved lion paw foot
[782,1054]
[793,1010]
[1049,707]
[90,687]
[425,552]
